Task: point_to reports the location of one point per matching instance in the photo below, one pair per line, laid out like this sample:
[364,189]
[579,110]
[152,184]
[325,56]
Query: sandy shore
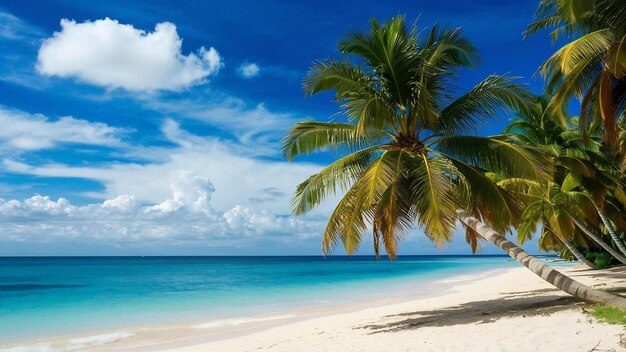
[511,311]
[504,310]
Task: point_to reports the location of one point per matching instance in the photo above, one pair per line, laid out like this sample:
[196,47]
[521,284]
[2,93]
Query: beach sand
[502,310]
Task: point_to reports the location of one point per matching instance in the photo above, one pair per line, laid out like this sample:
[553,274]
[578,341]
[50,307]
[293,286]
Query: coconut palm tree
[552,203]
[409,150]
[592,67]
[599,186]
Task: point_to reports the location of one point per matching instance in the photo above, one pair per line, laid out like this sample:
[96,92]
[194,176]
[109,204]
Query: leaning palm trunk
[611,230]
[576,253]
[597,239]
[550,275]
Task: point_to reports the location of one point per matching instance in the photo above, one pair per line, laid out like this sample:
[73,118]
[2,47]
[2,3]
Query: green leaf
[500,154]
[311,136]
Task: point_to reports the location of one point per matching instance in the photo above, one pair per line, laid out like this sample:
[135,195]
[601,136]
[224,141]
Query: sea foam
[95,340]
[239,321]
[73,344]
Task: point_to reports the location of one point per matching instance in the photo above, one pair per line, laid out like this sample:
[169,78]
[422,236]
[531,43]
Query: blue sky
[153,127]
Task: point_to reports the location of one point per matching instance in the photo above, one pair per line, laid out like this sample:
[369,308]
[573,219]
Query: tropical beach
[436,176]
[495,316]
[474,311]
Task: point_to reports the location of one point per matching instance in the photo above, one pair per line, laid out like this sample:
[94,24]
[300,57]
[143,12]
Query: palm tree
[552,203]
[592,66]
[409,153]
[547,206]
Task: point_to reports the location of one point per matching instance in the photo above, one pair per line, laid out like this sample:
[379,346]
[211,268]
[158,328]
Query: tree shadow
[613,273]
[530,303]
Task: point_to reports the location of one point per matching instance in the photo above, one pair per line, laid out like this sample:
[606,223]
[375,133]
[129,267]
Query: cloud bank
[113,55]
[186,216]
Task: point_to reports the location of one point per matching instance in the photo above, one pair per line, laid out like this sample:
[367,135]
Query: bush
[601,259]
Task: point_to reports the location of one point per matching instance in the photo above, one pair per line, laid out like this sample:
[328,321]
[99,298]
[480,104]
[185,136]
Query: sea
[43,297]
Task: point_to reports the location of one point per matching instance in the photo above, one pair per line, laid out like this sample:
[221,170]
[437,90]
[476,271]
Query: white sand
[508,310]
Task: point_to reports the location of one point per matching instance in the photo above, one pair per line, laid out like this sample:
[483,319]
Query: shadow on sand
[512,304]
[516,304]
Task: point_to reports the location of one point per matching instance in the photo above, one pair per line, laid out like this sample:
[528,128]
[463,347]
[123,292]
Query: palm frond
[435,198]
[340,76]
[492,202]
[498,153]
[347,223]
[478,107]
[311,136]
[337,176]
[531,217]
[394,215]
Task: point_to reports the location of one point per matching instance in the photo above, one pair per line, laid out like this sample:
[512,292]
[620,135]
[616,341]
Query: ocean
[51,296]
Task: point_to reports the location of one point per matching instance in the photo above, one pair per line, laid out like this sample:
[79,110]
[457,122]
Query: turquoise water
[42,297]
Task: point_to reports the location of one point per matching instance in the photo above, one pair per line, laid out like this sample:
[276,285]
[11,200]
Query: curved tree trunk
[550,275]
[609,227]
[597,239]
[581,258]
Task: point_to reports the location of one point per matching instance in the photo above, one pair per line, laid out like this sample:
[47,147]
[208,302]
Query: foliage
[592,66]
[602,260]
[408,153]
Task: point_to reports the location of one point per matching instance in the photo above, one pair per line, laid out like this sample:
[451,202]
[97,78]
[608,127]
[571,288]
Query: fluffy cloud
[113,55]
[186,216]
[239,175]
[249,70]
[24,131]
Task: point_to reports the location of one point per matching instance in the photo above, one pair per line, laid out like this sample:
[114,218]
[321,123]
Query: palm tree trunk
[608,111]
[579,256]
[597,239]
[611,230]
[550,275]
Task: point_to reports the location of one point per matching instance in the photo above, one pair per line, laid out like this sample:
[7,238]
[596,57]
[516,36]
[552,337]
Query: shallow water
[42,297]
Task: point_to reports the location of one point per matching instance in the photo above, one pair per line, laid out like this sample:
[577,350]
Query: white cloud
[15,29]
[203,194]
[255,125]
[240,177]
[249,70]
[22,131]
[186,216]
[113,55]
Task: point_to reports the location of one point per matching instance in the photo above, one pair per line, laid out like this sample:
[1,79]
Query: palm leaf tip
[311,136]
[478,107]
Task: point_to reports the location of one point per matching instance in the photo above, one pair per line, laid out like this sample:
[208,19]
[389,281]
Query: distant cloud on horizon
[109,54]
[186,216]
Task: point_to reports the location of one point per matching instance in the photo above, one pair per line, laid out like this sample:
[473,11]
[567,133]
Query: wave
[95,340]
[240,321]
[73,344]
[40,347]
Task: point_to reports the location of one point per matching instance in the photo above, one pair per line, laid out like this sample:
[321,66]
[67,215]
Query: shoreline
[512,310]
[226,327]
[497,290]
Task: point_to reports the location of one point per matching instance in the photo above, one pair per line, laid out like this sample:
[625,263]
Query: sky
[154,127]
